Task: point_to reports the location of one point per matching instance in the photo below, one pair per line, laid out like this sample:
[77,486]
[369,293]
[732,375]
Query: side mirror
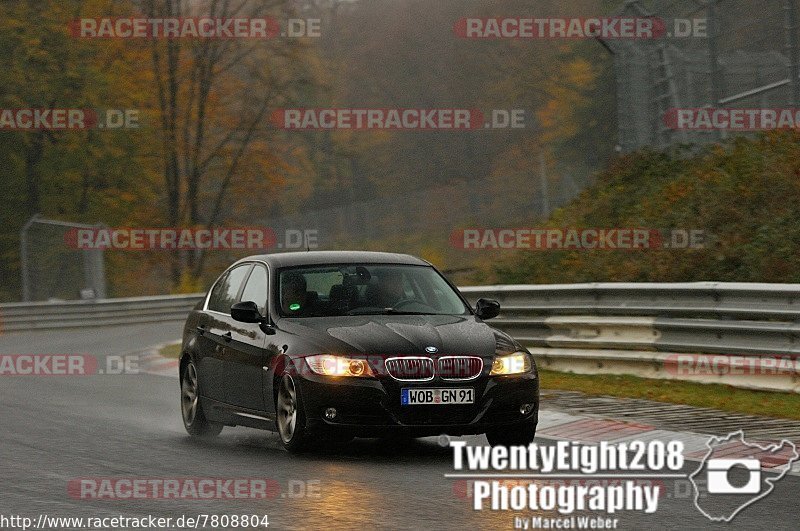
[487,308]
[246,312]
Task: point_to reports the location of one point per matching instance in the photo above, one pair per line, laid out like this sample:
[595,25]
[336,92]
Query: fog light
[330,413]
[525,409]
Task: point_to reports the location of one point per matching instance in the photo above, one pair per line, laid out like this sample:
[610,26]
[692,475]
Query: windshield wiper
[383,311]
[366,311]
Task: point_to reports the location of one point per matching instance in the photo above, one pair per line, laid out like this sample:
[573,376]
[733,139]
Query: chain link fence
[433,214]
[737,54]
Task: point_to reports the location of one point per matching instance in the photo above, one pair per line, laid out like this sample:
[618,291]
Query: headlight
[516,363]
[329,365]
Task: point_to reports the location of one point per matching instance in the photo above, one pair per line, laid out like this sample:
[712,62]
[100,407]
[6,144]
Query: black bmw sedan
[336,345]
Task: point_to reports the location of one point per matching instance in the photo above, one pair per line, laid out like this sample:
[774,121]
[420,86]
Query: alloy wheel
[287,408]
[189,395]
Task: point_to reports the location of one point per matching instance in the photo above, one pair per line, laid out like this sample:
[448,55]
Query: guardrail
[23,316]
[739,334]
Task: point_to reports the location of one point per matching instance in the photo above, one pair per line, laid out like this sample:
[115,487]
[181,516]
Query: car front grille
[410,369]
[456,368]
[450,368]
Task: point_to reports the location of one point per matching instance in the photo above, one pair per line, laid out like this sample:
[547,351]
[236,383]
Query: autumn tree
[214,97]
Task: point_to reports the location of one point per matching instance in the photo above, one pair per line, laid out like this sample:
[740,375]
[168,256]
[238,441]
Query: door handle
[228,337]
[201,329]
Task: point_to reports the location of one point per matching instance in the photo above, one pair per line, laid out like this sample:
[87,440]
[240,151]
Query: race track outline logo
[738,455]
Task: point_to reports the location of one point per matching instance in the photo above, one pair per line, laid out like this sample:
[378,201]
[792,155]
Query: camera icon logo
[736,473]
[719,481]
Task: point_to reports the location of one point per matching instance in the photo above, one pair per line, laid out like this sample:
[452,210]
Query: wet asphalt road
[56,429]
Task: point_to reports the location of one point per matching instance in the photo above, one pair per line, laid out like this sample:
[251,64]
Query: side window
[215,299]
[256,289]
[224,294]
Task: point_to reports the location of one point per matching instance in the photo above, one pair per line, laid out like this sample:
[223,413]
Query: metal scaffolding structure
[52,270]
[747,55]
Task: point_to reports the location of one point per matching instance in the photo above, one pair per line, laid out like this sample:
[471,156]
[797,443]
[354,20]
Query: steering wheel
[402,302]
[406,302]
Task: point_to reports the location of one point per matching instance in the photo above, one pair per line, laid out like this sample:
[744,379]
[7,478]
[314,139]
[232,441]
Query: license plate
[436,397]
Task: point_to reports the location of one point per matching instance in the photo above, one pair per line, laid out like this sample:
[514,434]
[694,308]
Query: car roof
[294,259]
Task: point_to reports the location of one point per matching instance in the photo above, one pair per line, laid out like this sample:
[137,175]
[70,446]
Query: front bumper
[370,407]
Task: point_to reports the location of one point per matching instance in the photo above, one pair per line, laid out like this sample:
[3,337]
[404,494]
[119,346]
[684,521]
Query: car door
[245,357]
[217,371]
[206,345]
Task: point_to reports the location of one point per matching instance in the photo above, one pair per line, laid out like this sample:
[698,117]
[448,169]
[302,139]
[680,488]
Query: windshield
[366,289]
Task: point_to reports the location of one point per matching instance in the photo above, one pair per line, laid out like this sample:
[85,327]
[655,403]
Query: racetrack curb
[152,362]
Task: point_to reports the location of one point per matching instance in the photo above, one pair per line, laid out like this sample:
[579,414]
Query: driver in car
[390,289]
[293,294]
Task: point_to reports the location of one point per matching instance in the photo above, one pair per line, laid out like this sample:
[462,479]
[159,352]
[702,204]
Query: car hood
[396,335]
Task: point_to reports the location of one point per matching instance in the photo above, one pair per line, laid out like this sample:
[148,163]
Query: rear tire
[194,418]
[514,435]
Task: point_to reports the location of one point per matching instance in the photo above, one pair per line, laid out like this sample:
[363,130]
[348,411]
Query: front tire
[194,418]
[515,435]
[291,417]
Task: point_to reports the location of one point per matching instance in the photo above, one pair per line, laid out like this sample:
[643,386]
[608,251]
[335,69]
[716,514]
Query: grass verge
[171,351]
[717,396]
